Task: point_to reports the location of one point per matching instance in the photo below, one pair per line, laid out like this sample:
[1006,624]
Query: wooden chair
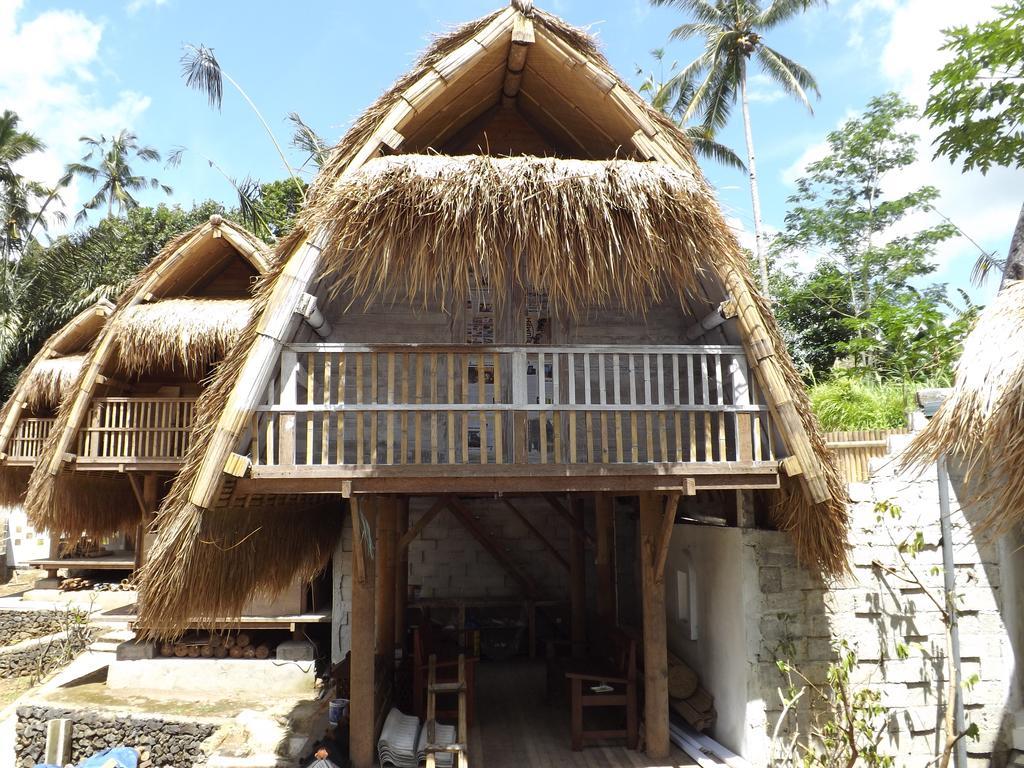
[612,663]
[426,644]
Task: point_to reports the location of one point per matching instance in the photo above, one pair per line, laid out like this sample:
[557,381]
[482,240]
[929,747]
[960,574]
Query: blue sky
[73,67]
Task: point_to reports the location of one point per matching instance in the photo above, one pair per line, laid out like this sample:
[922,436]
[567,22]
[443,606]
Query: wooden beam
[556,504]
[665,537]
[384,562]
[536,532]
[654,634]
[425,519]
[723,312]
[362,726]
[487,542]
[522,39]
[604,557]
[577,581]
[401,573]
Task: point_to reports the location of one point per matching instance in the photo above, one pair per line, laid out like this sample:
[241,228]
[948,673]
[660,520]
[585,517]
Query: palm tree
[732,31]
[16,192]
[671,96]
[112,156]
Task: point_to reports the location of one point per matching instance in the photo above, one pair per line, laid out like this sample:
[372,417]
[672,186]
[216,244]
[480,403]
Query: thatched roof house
[510,150]
[180,316]
[981,423]
[46,381]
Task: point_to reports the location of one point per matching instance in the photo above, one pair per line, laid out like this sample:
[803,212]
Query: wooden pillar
[604,558]
[387,516]
[577,580]
[652,585]
[362,725]
[401,573]
[150,503]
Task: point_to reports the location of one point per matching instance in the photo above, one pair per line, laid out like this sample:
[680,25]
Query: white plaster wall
[712,557]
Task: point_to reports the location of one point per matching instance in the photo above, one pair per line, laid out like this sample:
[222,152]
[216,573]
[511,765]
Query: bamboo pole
[385,560]
[401,572]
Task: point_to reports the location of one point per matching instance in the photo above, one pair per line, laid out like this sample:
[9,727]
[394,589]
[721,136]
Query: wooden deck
[114,561]
[514,728]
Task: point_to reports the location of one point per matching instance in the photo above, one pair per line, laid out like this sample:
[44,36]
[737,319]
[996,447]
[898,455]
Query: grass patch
[847,403]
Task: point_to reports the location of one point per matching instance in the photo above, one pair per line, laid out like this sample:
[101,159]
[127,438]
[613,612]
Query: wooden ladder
[461,745]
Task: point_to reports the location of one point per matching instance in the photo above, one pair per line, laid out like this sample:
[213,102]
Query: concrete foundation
[217,677]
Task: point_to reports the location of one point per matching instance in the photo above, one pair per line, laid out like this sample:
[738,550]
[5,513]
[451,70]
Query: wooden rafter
[424,520]
[522,39]
[478,532]
[560,508]
[537,533]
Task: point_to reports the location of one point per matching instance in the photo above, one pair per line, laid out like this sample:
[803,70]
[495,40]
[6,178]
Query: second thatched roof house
[123,429]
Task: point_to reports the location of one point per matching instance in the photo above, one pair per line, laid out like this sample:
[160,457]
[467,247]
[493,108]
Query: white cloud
[51,64]
[134,6]
[761,88]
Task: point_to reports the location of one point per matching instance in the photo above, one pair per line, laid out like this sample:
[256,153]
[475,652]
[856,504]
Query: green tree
[977,99]
[108,160]
[671,96]
[841,213]
[733,34]
[78,269]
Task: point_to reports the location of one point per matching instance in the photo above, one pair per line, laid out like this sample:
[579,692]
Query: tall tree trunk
[1014,269]
[755,196]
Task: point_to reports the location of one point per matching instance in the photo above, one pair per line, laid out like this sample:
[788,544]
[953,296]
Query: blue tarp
[125,757]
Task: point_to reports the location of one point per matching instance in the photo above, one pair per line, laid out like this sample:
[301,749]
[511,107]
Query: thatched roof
[588,233]
[620,230]
[185,334]
[981,423]
[44,383]
[156,325]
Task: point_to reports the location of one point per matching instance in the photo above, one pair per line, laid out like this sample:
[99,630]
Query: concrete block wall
[797,617]
[445,560]
[341,595]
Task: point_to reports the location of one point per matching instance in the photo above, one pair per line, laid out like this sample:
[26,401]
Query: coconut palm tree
[733,34]
[16,191]
[671,96]
[108,160]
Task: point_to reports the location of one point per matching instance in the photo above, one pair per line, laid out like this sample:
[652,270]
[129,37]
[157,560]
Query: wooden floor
[516,729]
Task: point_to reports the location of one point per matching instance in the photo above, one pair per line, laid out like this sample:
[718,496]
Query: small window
[686,599]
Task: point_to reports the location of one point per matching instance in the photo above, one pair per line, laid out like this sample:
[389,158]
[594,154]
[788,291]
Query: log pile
[79,583]
[687,697]
[216,646]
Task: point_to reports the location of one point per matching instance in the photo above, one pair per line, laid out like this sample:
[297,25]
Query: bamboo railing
[855,449]
[29,437]
[131,429]
[367,405]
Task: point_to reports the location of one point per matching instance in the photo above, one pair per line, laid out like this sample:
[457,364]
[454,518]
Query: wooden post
[652,586]
[387,515]
[604,561]
[578,581]
[401,574]
[362,725]
[150,502]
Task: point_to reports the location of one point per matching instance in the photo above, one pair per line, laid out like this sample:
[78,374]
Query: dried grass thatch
[49,381]
[413,226]
[981,423]
[13,484]
[588,233]
[185,334]
[100,505]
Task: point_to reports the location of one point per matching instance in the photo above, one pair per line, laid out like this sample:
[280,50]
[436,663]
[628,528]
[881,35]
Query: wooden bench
[611,662]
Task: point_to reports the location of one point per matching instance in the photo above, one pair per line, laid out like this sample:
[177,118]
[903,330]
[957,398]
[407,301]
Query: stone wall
[16,626]
[798,617]
[171,743]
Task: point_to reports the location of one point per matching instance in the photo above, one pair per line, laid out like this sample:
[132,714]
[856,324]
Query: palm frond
[695,29]
[783,10]
[202,72]
[147,153]
[705,146]
[986,263]
[792,77]
[309,141]
[702,10]
[174,157]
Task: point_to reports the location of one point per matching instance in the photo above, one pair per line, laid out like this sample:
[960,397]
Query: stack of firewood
[686,696]
[216,646]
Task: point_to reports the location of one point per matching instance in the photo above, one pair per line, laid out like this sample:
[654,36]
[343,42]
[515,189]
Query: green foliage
[671,96]
[853,402]
[978,97]
[58,281]
[108,160]
[859,301]
[269,210]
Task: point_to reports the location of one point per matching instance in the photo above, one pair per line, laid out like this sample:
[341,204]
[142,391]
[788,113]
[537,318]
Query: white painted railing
[381,404]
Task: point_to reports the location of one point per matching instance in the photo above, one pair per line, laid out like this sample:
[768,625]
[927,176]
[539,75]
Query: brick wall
[874,611]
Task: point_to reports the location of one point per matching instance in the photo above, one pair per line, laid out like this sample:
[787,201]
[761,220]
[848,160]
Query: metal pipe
[949,577]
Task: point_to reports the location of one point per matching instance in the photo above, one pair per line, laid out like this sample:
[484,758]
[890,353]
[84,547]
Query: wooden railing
[130,429]
[367,405]
[29,437]
[855,449]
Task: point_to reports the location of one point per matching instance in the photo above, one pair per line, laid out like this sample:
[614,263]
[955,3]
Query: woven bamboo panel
[854,449]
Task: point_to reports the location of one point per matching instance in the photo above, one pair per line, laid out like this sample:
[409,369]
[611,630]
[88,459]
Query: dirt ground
[21,581]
